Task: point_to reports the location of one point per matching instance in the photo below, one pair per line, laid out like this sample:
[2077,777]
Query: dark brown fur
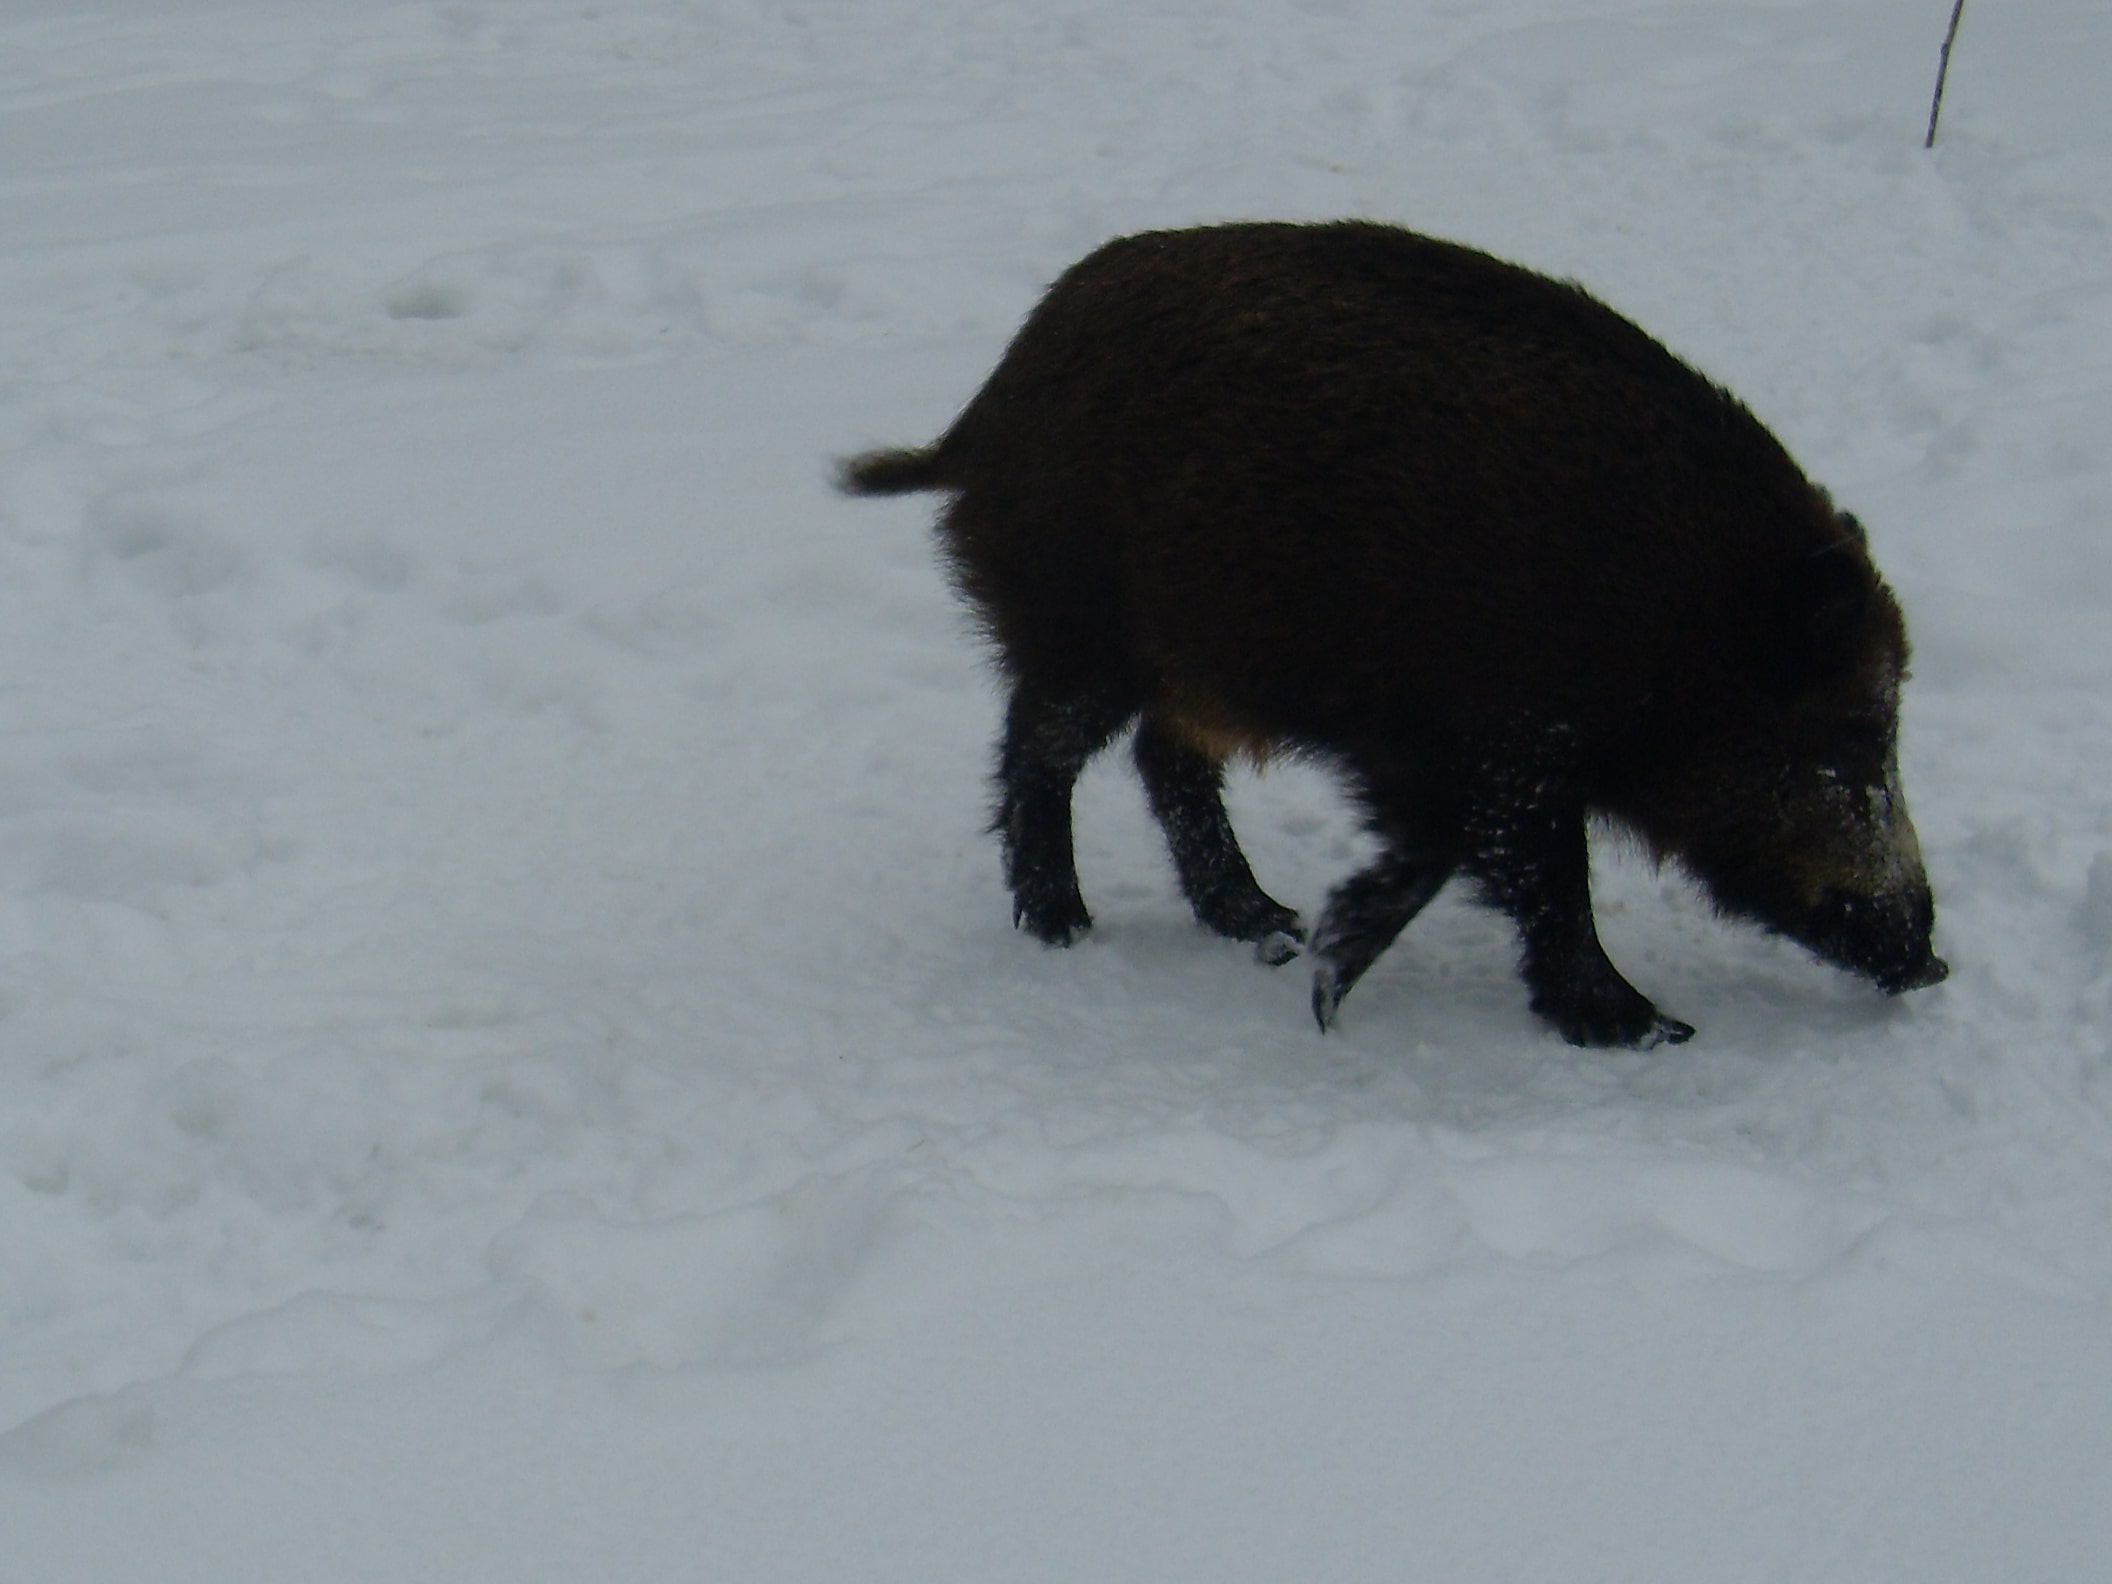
[1464,532]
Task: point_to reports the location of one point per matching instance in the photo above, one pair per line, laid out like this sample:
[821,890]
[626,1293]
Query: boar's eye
[1856,752]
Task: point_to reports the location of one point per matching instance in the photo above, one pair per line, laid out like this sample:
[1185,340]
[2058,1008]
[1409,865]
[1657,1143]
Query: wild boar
[1467,535]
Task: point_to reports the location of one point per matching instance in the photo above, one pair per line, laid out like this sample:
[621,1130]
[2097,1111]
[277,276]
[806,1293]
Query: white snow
[512,1063]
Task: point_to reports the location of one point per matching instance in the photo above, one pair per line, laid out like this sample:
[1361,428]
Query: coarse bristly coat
[1461,531]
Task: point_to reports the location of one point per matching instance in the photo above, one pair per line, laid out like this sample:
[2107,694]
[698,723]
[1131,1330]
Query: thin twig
[1943,70]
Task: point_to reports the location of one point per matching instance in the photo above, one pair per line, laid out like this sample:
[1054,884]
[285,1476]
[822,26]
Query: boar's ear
[1823,602]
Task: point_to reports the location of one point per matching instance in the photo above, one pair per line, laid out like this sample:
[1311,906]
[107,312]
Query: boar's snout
[1932,972]
[1883,938]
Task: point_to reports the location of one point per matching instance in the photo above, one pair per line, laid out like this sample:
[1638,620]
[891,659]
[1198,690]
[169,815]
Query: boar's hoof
[1272,928]
[1328,991]
[1053,923]
[1279,946]
[1620,1016]
[1666,1031]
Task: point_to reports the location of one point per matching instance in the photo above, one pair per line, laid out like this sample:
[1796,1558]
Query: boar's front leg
[1367,911]
[1528,851]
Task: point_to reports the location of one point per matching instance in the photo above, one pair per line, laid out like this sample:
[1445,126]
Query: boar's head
[1790,812]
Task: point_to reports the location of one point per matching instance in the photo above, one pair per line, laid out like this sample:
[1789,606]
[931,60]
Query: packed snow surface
[512,1062]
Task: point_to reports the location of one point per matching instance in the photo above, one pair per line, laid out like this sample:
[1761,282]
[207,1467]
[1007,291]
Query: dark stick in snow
[1943,70]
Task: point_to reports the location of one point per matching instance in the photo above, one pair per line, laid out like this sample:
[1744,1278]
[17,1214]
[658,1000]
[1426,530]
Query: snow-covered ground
[512,1063]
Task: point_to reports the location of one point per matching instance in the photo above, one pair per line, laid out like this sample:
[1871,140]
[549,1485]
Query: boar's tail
[891,472]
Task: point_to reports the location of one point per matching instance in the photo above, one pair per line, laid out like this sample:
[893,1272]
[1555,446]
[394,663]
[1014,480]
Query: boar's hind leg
[1048,738]
[1186,788]
[1532,862]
